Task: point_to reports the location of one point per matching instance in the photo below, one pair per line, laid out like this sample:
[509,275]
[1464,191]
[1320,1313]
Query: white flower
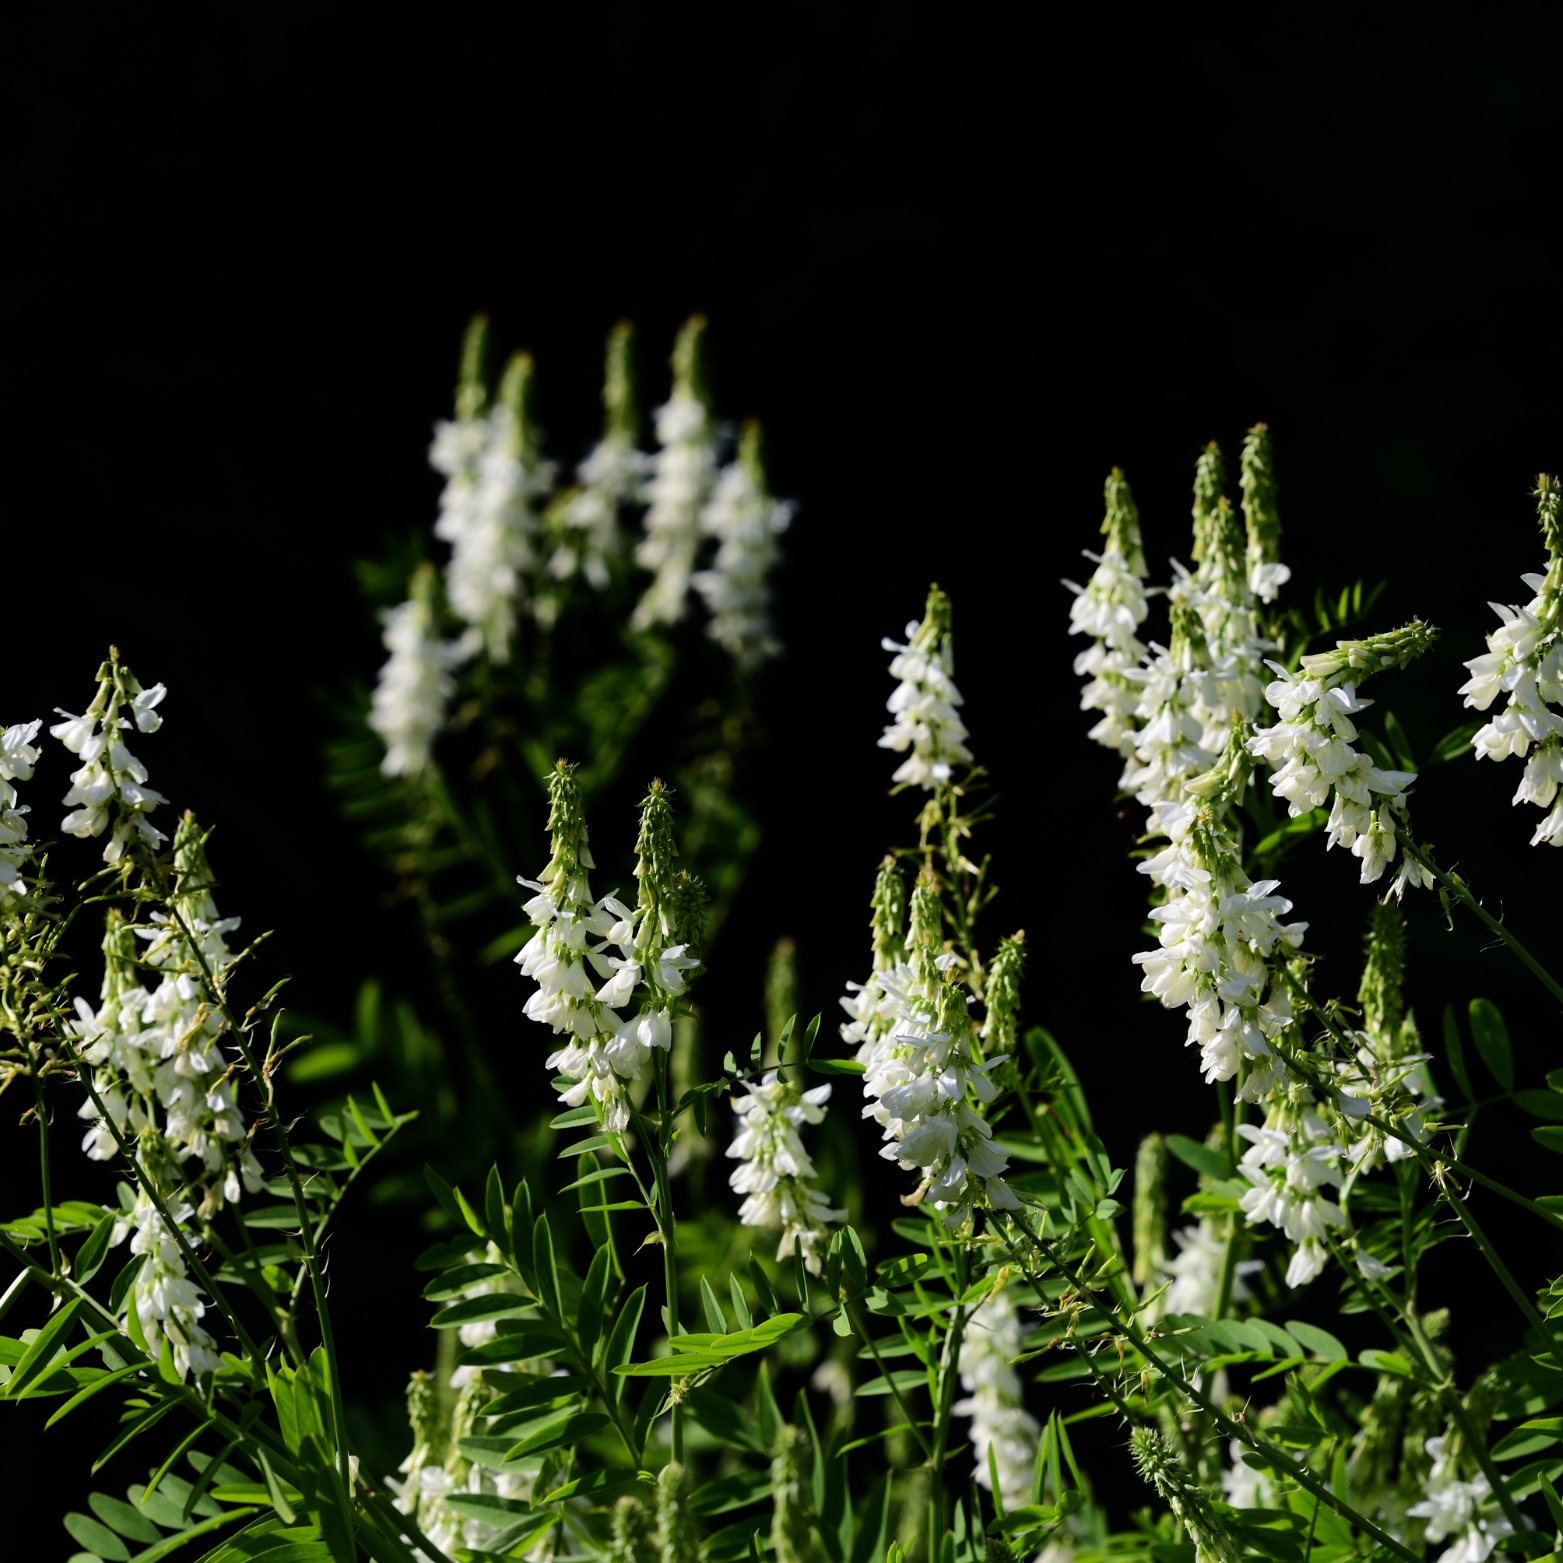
[1311,748]
[924,707]
[415,685]
[487,516]
[17,757]
[168,1304]
[746,522]
[1524,661]
[1288,1162]
[1245,1488]
[683,471]
[1450,1507]
[774,1169]
[110,783]
[995,1400]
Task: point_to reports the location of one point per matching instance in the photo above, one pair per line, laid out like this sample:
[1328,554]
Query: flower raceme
[581,985]
[110,784]
[415,684]
[18,755]
[995,1400]
[682,474]
[775,1171]
[1524,661]
[924,702]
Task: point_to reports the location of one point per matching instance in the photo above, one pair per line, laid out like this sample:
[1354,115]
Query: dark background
[958,268]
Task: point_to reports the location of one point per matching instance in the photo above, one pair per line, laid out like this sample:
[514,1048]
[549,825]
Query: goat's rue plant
[624,1372]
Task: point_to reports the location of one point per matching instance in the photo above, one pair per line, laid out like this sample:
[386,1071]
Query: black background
[959,266]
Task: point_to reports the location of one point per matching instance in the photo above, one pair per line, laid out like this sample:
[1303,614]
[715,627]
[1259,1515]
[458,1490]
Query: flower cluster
[1193,1274]
[167,1302]
[1110,608]
[415,684]
[111,782]
[1219,934]
[159,1066]
[493,475]
[17,758]
[682,472]
[774,1170]
[604,1051]
[746,521]
[1524,661]
[926,1083]
[995,1401]
[1452,1507]
[586,520]
[924,702]
[1311,749]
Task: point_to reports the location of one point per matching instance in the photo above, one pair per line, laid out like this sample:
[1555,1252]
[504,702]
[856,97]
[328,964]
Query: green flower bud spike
[655,853]
[1210,477]
[1257,482]
[781,992]
[1382,975]
[515,395]
[1121,525]
[689,368]
[677,1539]
[1213,1542]
[567,827]
[1150,1209]
[791,1499]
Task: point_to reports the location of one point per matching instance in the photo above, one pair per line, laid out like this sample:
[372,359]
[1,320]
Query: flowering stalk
[1003,1434]
[1110,608]
[746,521]
[775,1170]
[17,757]
[111,782]
[1524,660]
[494,473]
[682,473]
[1311,745]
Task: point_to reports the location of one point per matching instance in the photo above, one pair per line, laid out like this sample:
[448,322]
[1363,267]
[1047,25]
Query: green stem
[949,1370]
[1461,890]
[895,1390]
[43,1166]
[668,1228]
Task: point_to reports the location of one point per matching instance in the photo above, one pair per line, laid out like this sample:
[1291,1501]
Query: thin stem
[949,1369]
[1461,890]
[895,1389]
[43,1165]
[668,1227]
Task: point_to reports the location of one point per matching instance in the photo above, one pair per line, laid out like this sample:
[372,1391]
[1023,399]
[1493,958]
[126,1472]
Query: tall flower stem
[1461,891]
[41,1112]
[669,1228]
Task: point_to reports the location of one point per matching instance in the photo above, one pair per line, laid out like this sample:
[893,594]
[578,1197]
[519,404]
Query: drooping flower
[924,702]
[1289,1161]
[110,784]
[746,521]
[1524,661]
[1110,608]
[415,684]
[775,1171]
[1311,748]
[167,1302]
[682,473]
[995,1400]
